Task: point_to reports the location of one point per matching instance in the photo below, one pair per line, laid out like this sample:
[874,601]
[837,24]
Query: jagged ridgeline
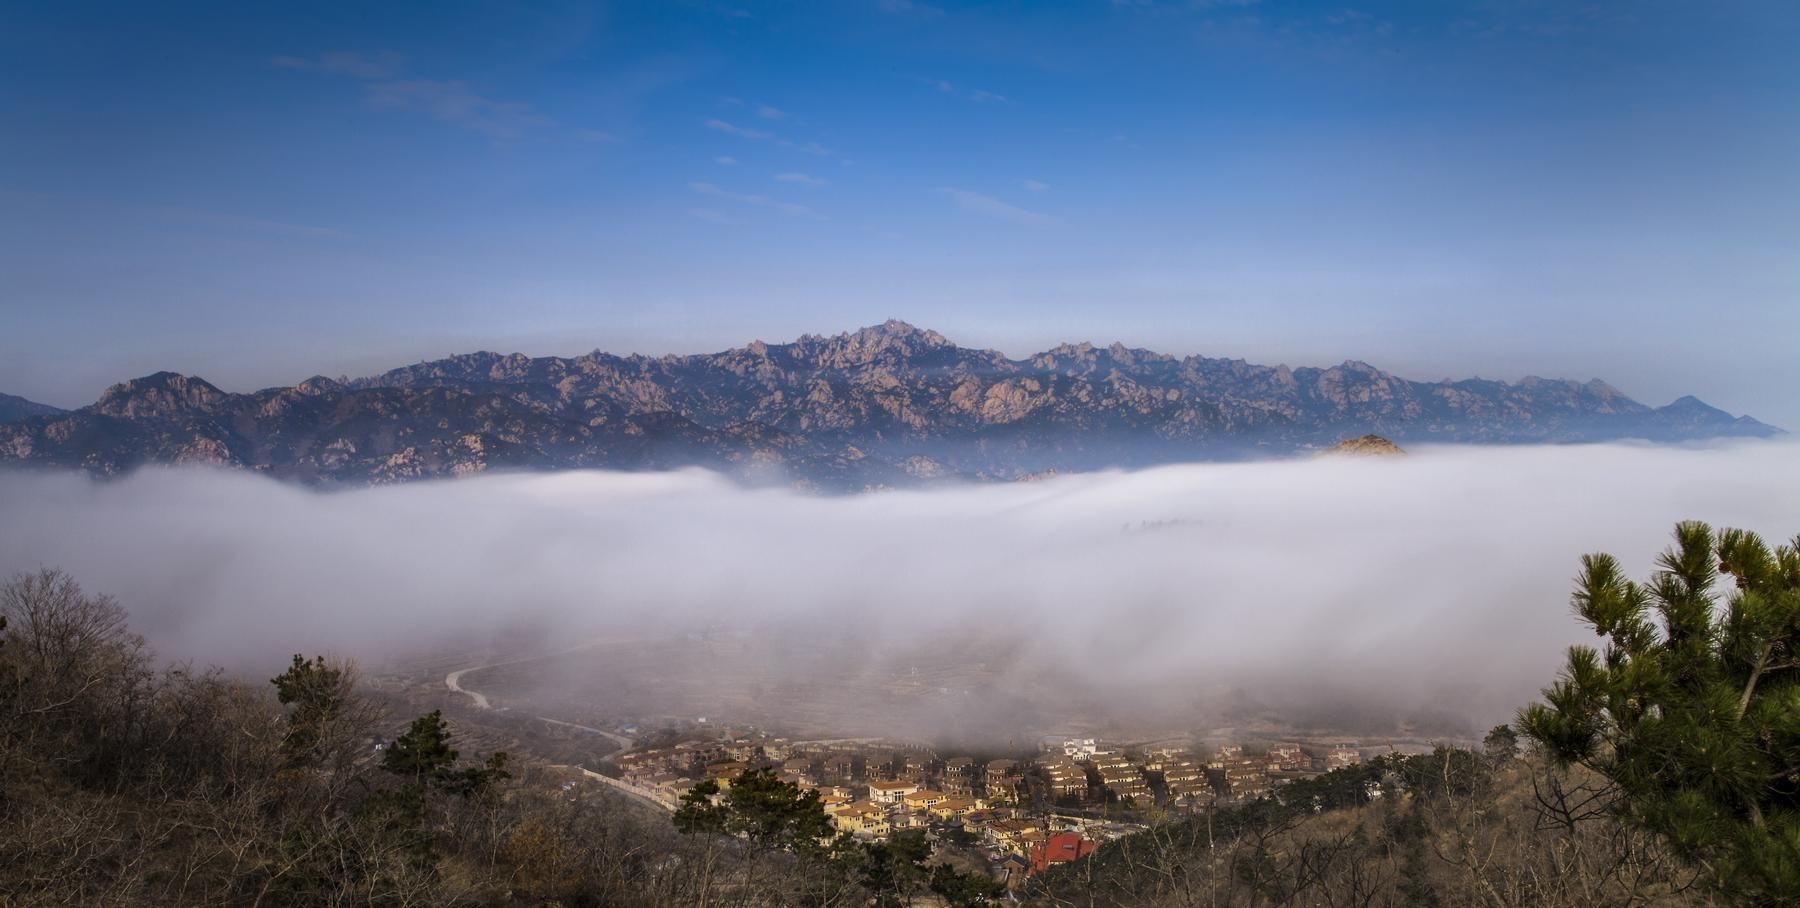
[886,405]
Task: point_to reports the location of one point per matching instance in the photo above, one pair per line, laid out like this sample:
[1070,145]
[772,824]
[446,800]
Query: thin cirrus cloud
[801,179]
[742,132]
[239,223]
[446,100]
[759,135]
[990,207]
[792,209]
[711,215]
[978,95]
[346,63]
[1035,185]
[909,8]
[457,104]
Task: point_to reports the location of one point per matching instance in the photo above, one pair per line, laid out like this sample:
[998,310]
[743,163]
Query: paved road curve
[620,742]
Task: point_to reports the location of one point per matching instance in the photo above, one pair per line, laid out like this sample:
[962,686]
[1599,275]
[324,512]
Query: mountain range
[883,406]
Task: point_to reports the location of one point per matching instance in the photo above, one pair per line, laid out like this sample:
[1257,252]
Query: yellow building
[1015,836]
[920,801]
[861,819]
[952,808]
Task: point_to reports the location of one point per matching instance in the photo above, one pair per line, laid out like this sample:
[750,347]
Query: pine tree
[315,692]
[424,757]
[424,751]
[1692,709]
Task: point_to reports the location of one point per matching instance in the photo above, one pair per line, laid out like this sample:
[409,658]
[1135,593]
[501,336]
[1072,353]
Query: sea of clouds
[1435,580]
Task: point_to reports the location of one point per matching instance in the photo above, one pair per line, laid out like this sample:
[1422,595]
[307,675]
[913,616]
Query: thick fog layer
[1438,580]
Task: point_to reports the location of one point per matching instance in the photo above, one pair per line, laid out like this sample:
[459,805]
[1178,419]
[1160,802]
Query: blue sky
[259,192]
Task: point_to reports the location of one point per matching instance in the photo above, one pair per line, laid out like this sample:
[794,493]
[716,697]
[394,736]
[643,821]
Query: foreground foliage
[780,816]
[1692,709]
[1447,829]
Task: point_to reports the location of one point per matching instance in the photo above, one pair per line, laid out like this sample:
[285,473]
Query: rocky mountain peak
[318,385]
[892,341]
[159,396]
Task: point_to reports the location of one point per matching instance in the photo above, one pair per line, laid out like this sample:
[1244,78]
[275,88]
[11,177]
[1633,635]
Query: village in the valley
[1019,815]
[1010,809]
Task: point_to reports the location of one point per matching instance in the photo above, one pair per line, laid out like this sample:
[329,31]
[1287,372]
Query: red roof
[1064,846]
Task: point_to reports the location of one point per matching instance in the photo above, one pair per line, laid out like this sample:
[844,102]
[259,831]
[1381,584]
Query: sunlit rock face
[1365,446]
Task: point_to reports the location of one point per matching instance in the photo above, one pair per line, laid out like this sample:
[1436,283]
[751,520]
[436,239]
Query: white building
[891,792]
[1079,748]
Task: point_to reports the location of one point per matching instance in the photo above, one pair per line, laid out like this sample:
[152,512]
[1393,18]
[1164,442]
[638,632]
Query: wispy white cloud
[769,112]
[449,101]
[802,179]
[742,132]
[978,95]
[235,222]
[988,206]
[758,135]
[345,63]
[793,209]
[596,136]
[1036,185]
[909,7]
[711,216]
[726,160]
[1177,7]
[456,103]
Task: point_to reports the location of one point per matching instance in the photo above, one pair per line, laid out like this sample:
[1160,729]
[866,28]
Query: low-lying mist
[1337,590]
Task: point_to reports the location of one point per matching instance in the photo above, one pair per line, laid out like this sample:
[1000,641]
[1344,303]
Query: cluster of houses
[897,804]
[1079,771]
[1028,814]
[669,772]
